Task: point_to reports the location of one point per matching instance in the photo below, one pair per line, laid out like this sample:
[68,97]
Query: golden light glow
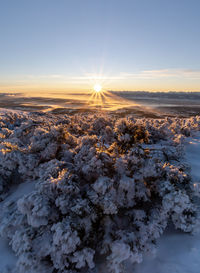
[97,88]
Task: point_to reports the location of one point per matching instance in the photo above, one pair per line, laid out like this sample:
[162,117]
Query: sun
[97,88]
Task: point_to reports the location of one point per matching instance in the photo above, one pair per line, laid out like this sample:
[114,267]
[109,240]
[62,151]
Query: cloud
[96,77]
[163,73]
[48,76]
[143,75]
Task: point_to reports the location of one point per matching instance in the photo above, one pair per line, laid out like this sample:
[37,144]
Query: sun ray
[103,99]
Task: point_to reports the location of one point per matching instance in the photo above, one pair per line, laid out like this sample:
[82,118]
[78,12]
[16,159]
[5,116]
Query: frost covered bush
[104,188]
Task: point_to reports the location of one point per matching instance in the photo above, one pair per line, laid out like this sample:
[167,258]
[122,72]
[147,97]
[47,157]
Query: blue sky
[125,44]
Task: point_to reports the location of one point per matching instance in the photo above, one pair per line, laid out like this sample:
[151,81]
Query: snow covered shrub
[103,188]
[129,133]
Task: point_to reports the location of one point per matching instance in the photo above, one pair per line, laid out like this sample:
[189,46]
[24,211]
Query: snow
[7,257]
[109,166]
[193,156]
[177,252]
[17,192]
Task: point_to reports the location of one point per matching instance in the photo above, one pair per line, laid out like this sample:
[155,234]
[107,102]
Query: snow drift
[104,188]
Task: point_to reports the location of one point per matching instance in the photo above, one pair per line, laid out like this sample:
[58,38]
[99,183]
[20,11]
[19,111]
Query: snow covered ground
[193,156]
[7,256]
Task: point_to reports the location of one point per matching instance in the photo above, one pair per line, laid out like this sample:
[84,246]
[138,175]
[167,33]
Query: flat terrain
[139,104]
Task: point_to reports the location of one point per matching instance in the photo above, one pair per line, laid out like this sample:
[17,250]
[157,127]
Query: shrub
[103,187]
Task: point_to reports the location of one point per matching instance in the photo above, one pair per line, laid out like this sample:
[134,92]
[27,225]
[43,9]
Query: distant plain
[138,103]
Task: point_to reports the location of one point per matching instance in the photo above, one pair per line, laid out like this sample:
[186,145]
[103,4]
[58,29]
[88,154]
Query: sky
[70,45]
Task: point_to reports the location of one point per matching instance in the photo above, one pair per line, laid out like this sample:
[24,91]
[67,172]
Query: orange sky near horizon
[150,80]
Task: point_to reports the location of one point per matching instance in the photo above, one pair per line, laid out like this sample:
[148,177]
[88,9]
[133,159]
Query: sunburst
[97,88]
